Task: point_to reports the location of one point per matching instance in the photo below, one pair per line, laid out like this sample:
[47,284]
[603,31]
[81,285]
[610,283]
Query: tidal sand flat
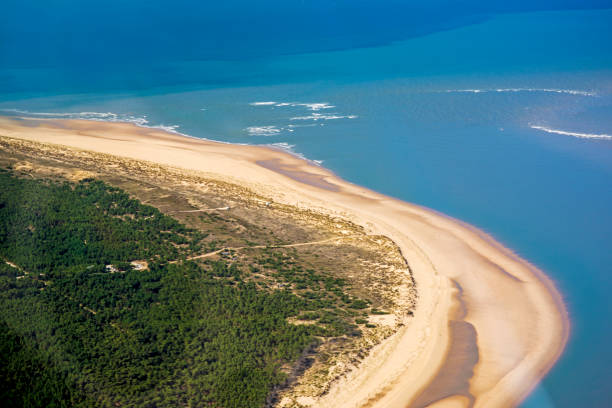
[487,325]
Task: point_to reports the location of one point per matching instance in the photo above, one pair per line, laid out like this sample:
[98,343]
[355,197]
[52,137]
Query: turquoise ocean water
[500,120]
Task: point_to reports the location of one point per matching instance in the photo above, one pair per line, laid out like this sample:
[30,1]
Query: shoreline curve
[516,323]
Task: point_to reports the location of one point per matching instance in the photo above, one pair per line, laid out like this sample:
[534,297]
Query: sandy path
[298,244]
[488,325]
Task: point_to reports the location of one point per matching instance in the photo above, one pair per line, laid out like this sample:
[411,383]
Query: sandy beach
[487,326]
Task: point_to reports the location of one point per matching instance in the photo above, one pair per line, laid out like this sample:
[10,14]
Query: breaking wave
[263,130]
[319,116]
[263,103]
[547,90]
[601,136]
[314,106]
[288,148]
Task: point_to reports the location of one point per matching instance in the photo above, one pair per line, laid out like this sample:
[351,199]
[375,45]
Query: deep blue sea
[497,115]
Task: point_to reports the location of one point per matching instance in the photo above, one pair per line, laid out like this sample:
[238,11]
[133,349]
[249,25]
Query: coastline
[467,282]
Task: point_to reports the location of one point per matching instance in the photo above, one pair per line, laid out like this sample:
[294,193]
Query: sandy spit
[488,325]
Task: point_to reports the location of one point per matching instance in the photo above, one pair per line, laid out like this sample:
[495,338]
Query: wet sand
[488,325]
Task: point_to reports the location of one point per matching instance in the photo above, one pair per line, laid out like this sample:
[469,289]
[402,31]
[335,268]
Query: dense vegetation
[27,379]
[79,326]
[49,226]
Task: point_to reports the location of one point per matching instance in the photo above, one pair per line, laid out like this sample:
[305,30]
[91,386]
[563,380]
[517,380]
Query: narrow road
[323,241]
[200,210]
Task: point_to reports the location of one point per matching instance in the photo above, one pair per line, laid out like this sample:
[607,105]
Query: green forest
[81,326]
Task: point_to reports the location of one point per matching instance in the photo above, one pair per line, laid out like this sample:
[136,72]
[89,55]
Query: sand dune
[488,325]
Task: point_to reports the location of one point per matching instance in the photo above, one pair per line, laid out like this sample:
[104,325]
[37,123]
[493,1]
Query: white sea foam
[293,126]
[283,145]
[320,116]
[601,136]
[98,116]
[141,121]
[73,115]
[263,103]
[167,128]
[313,106]
[316,106]
[288,148]
[547,90]
[263,130]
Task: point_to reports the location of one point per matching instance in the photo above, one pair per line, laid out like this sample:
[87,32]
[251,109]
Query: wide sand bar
[488,325]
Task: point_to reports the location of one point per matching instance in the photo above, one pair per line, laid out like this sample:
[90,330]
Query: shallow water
[492,123]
